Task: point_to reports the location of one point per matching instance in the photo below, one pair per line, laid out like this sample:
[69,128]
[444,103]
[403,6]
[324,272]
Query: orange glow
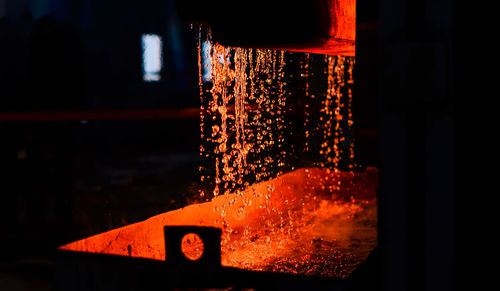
[343,15]
[192,246]
[313,221]
[294,223]
[342,32]
[245,133]
[329,46]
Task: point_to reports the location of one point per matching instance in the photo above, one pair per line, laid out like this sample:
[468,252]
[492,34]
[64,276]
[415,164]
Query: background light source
[152,58]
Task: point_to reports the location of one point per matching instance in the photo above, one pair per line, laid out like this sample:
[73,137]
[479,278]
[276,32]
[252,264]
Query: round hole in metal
[192,246]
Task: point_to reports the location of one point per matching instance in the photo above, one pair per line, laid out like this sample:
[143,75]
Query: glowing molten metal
[314,220]
[294,223]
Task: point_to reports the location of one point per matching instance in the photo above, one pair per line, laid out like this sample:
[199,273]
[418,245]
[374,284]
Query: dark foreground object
[86,271]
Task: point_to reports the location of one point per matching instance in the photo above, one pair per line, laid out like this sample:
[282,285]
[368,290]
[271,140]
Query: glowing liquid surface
[278,175]
[292,224]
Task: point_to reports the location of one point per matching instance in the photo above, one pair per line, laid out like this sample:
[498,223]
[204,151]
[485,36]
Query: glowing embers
[261,117]
[293,223]
[242,117]
[328,123]
[336,125]
[277,140]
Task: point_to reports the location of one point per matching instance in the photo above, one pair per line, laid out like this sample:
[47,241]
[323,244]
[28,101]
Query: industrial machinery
[283,202]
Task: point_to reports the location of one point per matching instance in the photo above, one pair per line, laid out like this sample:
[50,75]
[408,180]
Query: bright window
[152,57]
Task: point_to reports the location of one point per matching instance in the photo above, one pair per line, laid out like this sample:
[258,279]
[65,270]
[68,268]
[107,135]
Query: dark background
[426,75]
[67,179]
